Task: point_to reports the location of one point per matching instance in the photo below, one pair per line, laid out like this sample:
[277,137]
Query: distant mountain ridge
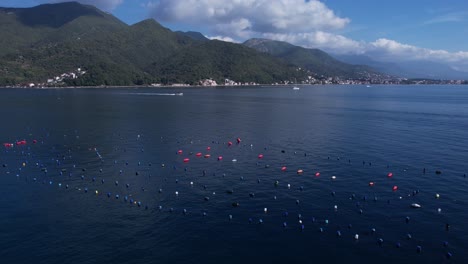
[314,60]
[408,69]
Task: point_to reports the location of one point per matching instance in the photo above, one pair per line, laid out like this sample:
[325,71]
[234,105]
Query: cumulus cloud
[244,18]
[322,40]
[107,5]
[391,50]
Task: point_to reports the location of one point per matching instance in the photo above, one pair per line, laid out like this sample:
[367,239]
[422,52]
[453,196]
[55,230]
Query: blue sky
[387,30]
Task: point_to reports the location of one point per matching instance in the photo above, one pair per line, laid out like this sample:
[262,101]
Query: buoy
[186,160]
[333,177]
[220,158]
[356,236]
[419,249]
[208,148]
[283,168]
[437,196]
[394,188]
[260,156]
[317,174]
[207,155]
[179,152]
[265,210]
[199,154]
[371,184]
[234,160]
[415,205]
[238,140]
[229,143]
[390,174]
[300,171]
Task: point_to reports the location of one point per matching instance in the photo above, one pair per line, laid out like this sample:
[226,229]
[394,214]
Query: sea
[260,174]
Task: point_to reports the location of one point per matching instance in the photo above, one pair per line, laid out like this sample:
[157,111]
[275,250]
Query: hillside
[314,60]
[48,40]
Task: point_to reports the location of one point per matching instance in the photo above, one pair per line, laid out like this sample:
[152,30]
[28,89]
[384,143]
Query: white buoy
[265,210]
[333,177]
[176,193]
[356,236]
[437,196]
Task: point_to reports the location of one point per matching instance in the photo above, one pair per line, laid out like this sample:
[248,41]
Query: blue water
[358,134]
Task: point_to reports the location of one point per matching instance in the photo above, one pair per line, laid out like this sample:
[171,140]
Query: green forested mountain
[314,60]
[41,42]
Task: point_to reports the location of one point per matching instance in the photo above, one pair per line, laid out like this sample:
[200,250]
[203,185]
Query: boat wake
[156,94]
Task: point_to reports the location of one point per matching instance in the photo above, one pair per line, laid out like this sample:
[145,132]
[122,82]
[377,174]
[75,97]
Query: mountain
[314,60]
[223,60]
[41,42]
[408,69]
[194,35]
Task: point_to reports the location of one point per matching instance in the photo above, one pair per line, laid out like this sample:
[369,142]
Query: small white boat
[296,88]
[415,205]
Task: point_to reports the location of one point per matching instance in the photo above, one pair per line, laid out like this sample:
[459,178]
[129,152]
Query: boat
[179,94]
[296,88]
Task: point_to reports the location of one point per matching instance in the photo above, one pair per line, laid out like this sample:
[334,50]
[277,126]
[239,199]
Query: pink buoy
[207,155]
[179,152]
[317,174]
[394,188]
[208,148]
[260,156]
[283,168]
[238,140]
[390,174]
[300,171]
[186,160]
[220,158]
[199,154]
[371,184]
[34,141]
[229,143]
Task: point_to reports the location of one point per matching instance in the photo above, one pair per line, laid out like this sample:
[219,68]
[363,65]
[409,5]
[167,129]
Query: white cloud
[227,39]
[321,40]
[244,18]
[106,5]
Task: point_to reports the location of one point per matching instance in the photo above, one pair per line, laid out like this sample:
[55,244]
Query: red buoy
[260,156]
[317,174]
[208,148]
[220,158]
[238,140]
[229,143]
[186,160]
[8,145]
[395,188]
[283,168]
[199,154]
[389,174]
[179,152]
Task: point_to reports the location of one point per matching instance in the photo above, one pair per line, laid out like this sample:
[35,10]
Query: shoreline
[215,86]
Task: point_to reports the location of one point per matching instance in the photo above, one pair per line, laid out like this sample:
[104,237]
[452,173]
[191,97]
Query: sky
[386,30]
